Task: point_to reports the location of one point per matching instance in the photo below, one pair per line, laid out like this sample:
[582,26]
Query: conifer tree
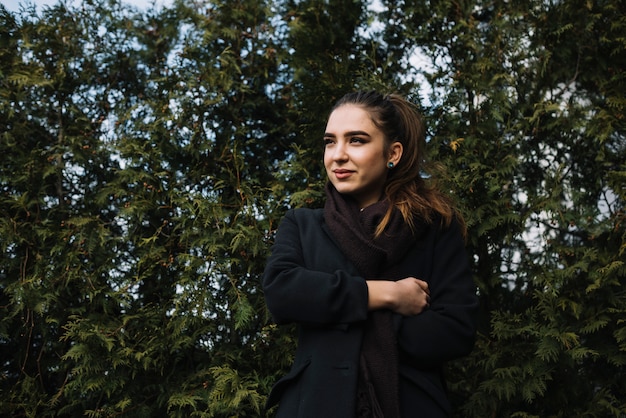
[520,92]
[150,154]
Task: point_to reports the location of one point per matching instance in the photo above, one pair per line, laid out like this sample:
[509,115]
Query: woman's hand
[409,296]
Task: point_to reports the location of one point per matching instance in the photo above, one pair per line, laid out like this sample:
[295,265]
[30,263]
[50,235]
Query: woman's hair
[405,187]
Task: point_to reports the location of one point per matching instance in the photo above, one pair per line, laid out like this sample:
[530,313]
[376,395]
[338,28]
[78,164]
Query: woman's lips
[342,174]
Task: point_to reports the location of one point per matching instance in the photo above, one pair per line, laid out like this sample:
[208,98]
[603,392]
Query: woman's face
[354,154]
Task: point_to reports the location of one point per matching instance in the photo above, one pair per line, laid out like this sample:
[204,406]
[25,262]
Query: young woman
[378,280]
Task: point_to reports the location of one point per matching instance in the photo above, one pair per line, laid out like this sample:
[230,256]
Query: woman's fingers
[413,296]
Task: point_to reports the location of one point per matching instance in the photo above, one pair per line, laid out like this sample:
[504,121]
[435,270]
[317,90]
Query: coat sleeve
[447,329]
[303,280]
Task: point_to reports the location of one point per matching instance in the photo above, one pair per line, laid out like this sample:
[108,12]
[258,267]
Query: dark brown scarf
[375,258]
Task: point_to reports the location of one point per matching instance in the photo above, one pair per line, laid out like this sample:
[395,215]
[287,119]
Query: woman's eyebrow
[350,133]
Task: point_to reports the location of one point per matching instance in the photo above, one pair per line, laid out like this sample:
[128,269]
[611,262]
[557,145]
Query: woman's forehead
[349,117]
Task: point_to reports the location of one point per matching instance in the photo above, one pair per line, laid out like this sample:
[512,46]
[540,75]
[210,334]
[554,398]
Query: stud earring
[390,165]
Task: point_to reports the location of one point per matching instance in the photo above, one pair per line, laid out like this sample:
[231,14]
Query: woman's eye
[357,140]
[327,141]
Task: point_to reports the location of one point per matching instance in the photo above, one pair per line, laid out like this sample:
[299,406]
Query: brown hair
[405,188]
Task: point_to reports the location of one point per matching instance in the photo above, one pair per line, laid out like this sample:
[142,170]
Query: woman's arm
[447,329]
[324,294]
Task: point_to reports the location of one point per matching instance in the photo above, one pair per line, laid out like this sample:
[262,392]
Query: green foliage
[149,156]
[519,128]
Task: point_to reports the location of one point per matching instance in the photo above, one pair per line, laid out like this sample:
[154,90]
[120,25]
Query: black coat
[310,282]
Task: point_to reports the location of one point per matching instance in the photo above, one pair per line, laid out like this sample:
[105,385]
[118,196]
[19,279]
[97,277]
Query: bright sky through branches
[14,5]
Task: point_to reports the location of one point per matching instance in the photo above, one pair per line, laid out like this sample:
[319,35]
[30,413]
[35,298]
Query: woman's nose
[340,152]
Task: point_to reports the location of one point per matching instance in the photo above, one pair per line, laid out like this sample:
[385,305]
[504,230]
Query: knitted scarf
[375,258]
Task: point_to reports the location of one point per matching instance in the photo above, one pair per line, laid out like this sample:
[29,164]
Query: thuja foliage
[528,113]
[149,155]
[136,209]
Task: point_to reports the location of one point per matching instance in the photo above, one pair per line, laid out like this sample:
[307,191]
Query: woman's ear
[395,152]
